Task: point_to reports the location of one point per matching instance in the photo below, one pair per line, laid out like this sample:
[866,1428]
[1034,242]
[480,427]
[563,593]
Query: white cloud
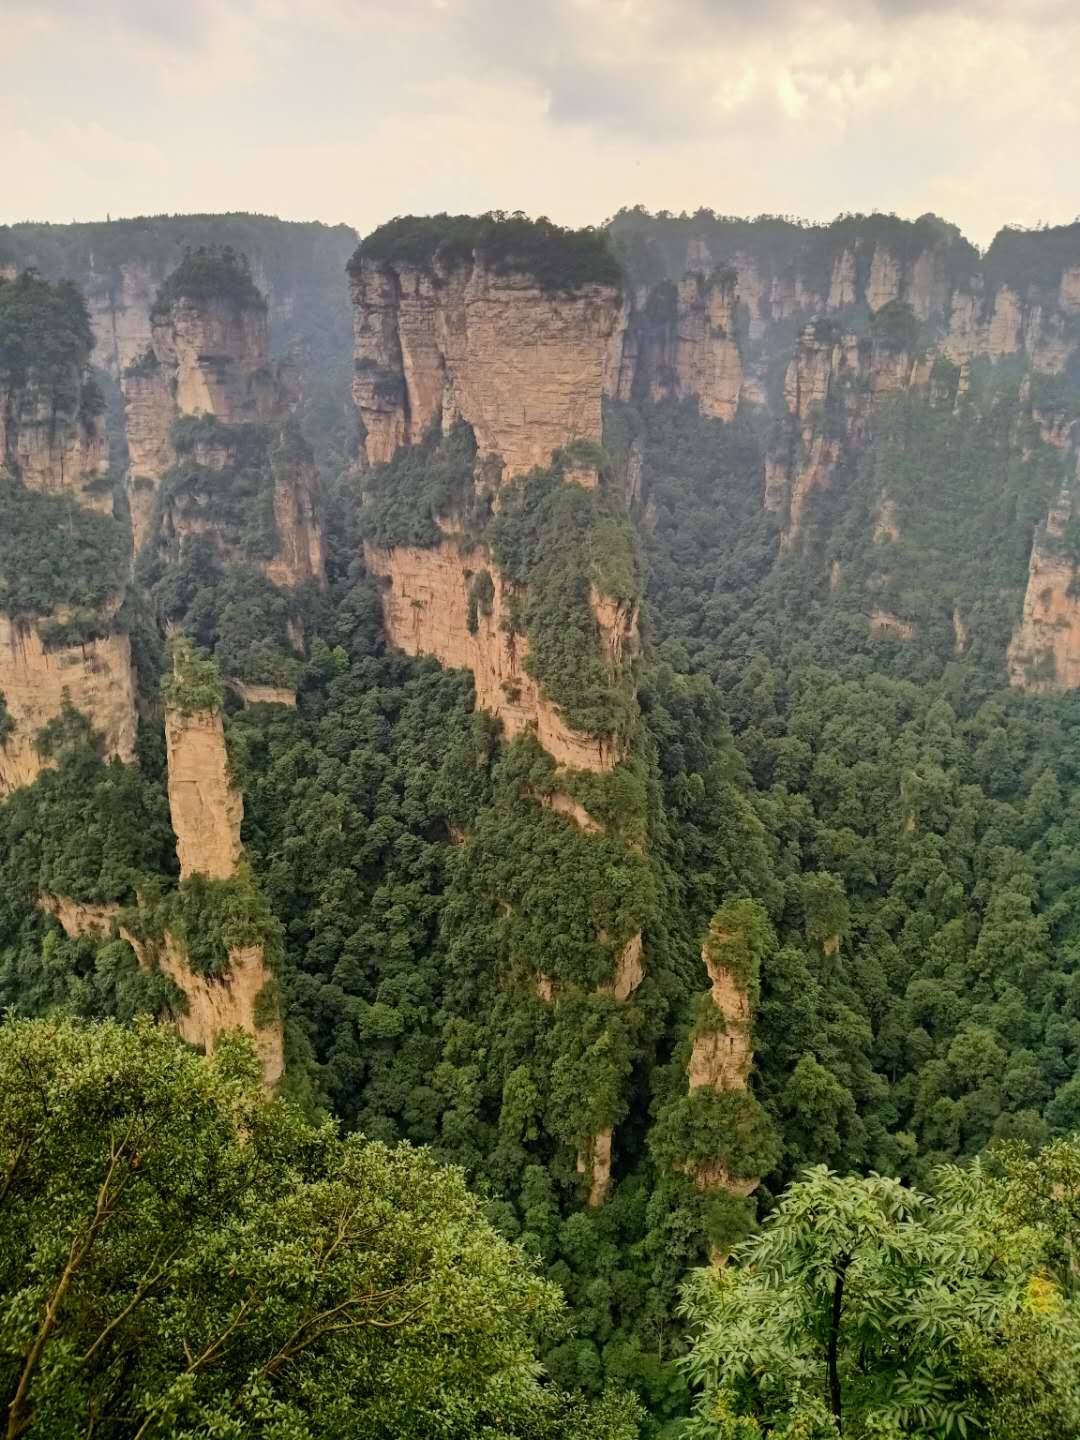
[360,109]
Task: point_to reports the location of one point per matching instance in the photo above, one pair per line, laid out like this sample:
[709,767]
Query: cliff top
[211,272]
[560,259]
[653,246]
[102,248]
[45,332]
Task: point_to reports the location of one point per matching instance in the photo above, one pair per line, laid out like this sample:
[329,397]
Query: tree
[867,1309]
[180,1256]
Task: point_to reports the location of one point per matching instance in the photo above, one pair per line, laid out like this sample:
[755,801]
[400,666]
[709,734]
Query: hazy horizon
[353,111]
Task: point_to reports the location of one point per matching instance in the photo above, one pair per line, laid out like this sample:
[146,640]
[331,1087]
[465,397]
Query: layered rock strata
[722,1055]
[209,357]
[680,343]
[830,386]
[38,682]
[52,442]
[426,612]
[213,1006]
[207,810]
[524,367]
[1044,655]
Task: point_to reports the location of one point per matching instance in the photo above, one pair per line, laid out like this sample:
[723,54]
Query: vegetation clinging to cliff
[45,338]
[56,553]
[559,541]
[405,498]
[558,258]
[209,273]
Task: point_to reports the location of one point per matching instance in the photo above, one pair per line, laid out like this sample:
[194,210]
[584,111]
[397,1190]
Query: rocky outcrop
[213,1005]
[120,312]
[594,1163]
[629,970]
[264,694]
[426,612]
[298,559]
[78,918]
[207,810]
[150,410]
[565,805]
[217,1005]
[830,387]
[55,448]
[884,622]
[209,356]
[1044,655]
[524,367]
[722,1054]
[37,683]
[1005,323]
[680,343]
[216,351]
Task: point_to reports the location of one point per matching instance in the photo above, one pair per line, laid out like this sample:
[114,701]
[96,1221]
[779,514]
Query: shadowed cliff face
[208,361]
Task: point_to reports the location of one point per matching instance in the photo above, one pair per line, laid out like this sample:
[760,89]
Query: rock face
[426,612]
[213,1005]
[52,442]
[1044,655]
[722,1054]
[53,447]
[680,343]
[209,356]
[36,683]
[207,810]
[594,1162]
[120,313]
[523,367]
[216,351]
[830,387]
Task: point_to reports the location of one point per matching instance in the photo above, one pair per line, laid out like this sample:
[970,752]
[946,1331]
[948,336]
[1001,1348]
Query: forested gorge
[811,898]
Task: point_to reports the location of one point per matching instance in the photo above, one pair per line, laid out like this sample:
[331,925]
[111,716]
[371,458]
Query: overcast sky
[358,110]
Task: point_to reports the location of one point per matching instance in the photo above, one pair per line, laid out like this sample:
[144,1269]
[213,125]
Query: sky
[359,110]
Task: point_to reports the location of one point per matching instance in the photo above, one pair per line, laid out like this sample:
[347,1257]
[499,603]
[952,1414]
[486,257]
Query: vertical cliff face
[464,336]
[523,366]
[208,361]
[426,609]
[216,348]
[830,387]
[207,810]
[475,340]
[38,681]
[215,1006]
[1044,655]
[679,342]
[721,1056]
[60,641]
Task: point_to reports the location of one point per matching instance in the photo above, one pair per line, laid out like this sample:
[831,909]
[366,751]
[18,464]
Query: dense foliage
[655,247]
[45,338]
[54,552]
[880,830]
[207,274]
[557,258]
[865,1308]
[181,1257]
